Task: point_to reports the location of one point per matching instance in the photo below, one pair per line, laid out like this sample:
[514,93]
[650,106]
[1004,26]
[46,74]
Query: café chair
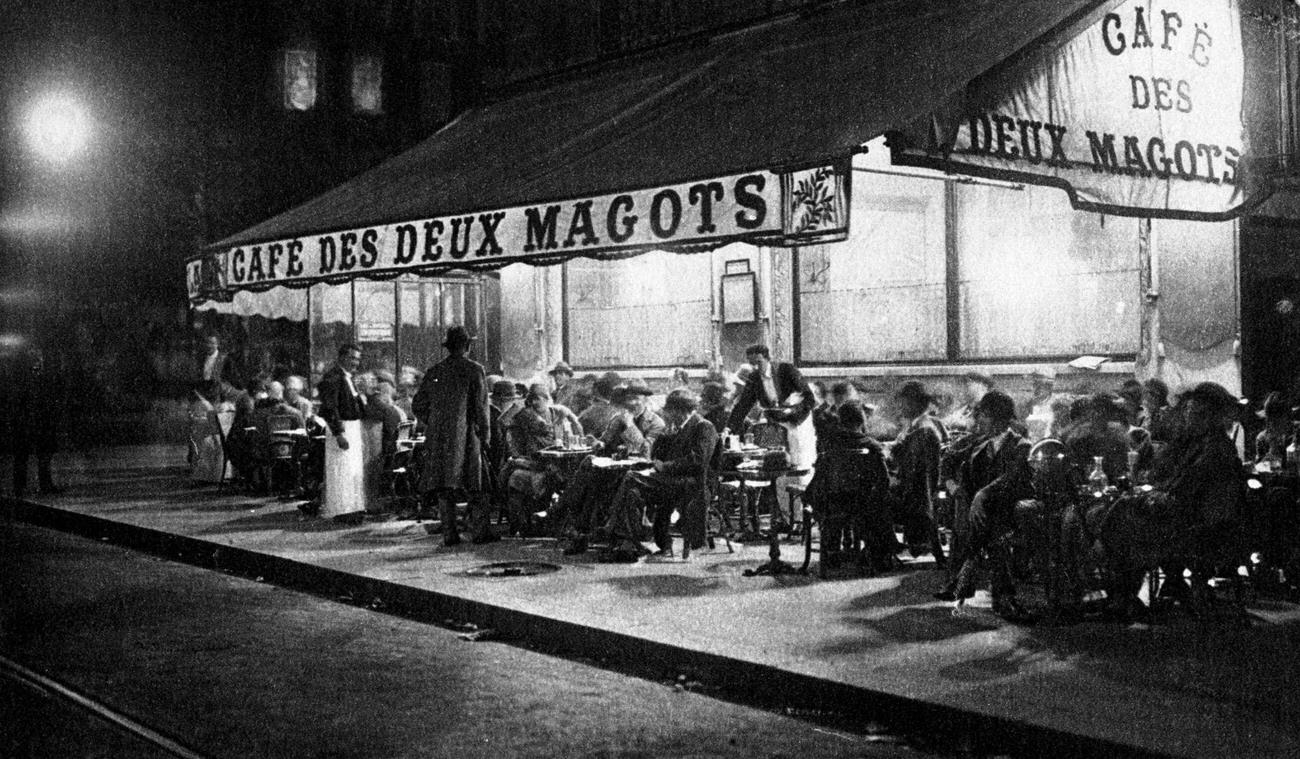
[694,523]
[282,453]
[225,422]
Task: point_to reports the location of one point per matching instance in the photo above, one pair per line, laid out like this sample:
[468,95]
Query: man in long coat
[453,402]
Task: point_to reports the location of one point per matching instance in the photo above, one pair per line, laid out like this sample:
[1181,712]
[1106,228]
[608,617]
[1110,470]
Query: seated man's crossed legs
[647,499]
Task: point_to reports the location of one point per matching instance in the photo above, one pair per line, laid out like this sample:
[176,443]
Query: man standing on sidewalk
[453,402]
[34,411]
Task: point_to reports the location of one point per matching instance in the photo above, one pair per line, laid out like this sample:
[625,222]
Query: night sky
[173,91]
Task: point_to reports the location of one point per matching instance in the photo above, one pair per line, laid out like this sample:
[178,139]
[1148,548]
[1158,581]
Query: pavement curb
[733,679]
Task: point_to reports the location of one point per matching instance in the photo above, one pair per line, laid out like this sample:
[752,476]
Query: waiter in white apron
[341,406]
[786,398]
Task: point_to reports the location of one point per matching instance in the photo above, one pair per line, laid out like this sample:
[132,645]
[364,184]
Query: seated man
[632,430]
[596,417]
[996,477]
[264,410]
[849,491]
[530,481]
[669,487]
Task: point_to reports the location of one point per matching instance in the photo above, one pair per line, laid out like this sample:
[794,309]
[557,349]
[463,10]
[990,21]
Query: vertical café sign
[1140,113]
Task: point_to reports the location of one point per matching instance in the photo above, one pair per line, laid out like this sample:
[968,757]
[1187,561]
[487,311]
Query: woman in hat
[1277,435]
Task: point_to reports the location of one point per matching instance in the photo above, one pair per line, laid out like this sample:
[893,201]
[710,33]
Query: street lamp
[58,127]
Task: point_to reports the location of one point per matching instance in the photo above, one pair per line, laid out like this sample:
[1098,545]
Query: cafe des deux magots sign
[792,208]
[1141,114]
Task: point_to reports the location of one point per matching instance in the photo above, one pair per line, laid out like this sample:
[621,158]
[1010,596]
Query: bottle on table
[1097,479]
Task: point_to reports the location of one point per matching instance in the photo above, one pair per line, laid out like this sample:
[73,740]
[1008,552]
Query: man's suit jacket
[691,449]
[787,381]
[1003,477]
[337,403]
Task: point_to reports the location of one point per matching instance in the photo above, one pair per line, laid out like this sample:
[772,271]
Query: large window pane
[879,295]
[1038,278]
[651,310]
[376,317]
[331,325]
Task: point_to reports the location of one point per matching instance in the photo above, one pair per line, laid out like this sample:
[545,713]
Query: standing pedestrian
[33,415]
[453,403]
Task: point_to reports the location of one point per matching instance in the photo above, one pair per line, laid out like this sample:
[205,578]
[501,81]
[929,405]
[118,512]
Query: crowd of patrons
[948,478]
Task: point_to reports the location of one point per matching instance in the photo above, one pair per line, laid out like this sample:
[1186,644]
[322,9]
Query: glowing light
[58,127]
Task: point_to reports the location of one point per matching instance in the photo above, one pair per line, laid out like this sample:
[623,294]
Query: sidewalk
[882,645]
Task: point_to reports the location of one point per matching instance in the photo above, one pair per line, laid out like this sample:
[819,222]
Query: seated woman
[848,492]
[529,480]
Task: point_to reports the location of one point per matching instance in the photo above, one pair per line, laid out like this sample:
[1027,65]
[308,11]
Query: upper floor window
[367,83]
[299,80]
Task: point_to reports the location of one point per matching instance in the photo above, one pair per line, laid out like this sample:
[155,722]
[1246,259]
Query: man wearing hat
[669,487]
[1198,482]
[633,431]
[453,403]
[563,388]
[597,416]
[504,402]
[634,427]
[995,477]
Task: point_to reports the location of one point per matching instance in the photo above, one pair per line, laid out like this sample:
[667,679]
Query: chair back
[281,423]
[405,431]
[770,435]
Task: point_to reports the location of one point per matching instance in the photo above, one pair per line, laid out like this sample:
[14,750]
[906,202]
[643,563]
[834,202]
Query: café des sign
[797,207]
[1139,114]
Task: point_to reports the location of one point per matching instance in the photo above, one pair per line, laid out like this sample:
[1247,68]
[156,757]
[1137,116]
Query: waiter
[341,407]
[786,399]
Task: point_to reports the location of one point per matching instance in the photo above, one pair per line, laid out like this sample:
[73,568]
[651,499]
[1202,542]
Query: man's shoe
[662,555]
[1011,610]
[578,546]
[485,537]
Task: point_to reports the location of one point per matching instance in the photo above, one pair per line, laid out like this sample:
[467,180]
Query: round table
[774,565]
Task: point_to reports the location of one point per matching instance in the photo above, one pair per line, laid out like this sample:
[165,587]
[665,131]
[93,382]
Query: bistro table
[752,471]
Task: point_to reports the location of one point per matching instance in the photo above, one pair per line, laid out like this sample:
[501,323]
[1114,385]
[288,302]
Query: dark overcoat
[453,403]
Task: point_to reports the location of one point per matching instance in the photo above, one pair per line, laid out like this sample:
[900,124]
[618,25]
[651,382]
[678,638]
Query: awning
[746,137]
[1168,110]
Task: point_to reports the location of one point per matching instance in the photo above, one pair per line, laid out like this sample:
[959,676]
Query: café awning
[745,137]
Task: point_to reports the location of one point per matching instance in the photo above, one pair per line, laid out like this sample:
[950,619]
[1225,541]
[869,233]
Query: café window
[968,272]
[299,77]
[367,84]
[878,296]
[652,310]
[1037,278]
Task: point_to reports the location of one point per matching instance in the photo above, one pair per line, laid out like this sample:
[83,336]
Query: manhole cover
[513,569]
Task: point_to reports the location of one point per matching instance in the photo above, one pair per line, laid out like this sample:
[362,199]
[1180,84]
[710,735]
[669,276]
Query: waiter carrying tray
[786,399]
[342,407]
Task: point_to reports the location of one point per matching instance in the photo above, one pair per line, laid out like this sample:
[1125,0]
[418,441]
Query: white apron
[801,440]
[345,481]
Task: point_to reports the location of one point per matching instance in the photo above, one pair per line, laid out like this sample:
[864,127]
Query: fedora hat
[914,390]
[630,388]
[561,368]
[504,389]
[457,337]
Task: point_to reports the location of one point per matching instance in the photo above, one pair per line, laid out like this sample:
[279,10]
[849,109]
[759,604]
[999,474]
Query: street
[231,667]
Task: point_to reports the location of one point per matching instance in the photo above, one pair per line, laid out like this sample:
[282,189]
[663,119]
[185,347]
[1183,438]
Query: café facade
[876,190]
